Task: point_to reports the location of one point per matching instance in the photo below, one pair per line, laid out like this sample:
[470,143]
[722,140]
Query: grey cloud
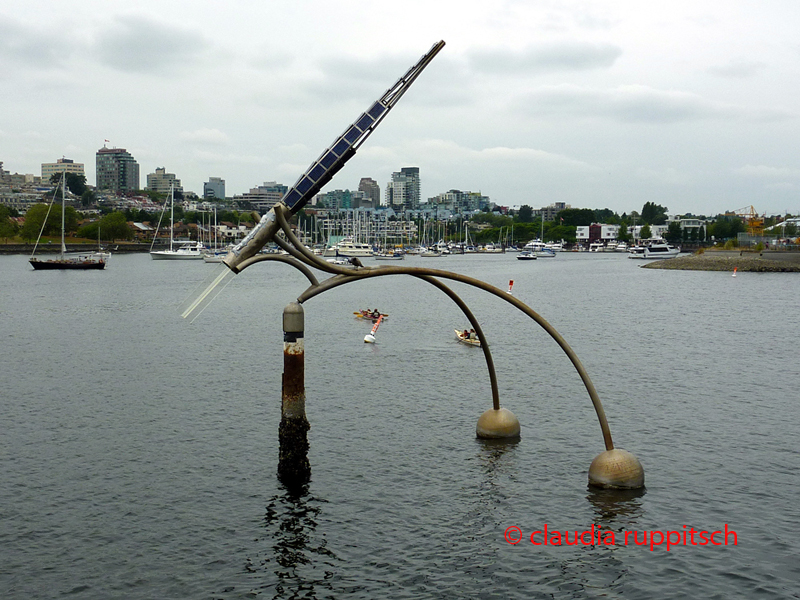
[571,56]
[348,78]
[737,69]
[636,103]
[140,44]
[33,47]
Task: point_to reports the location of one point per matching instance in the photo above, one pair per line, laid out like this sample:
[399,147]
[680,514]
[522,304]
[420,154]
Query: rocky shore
[764,262]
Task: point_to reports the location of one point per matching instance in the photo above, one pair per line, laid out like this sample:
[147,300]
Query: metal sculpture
[614,468]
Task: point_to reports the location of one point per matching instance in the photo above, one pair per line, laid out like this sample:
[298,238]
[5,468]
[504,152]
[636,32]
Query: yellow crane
[754,222]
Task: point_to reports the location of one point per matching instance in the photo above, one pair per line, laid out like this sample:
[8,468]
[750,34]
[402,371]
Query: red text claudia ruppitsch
[597,536]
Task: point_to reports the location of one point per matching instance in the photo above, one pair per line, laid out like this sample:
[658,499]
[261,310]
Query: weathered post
[293,465]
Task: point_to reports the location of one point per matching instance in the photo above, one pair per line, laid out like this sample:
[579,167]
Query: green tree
[115,227]
[576,216]
[646,233]
[623,233]
[561,232]
[525,214]
[8,228]
[88,198]
[606,215]
[726,227]
[76,182]
[36,216]
[654,214]
[674,232]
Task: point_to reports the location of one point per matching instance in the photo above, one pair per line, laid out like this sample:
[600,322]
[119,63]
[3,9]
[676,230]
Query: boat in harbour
[372,315]
[349,248]
[214,256]
[64,260]
[661,250]
[636,251]
[526,255]
[467,337]
[186,250]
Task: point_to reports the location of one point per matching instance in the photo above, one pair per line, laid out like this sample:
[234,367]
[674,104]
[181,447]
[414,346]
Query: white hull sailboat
[186,250]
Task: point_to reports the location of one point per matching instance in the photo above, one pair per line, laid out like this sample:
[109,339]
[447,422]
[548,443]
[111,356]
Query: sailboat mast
[63,211]
[171,213]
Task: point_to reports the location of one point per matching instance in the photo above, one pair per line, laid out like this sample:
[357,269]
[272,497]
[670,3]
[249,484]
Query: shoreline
[710,260]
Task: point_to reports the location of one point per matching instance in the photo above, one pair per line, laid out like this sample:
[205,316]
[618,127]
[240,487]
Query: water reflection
[300,558]
[616,509]
[493,458]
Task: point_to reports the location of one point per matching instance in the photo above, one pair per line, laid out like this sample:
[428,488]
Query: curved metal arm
[284,259]
[347,275]
[418,271]
[478,331]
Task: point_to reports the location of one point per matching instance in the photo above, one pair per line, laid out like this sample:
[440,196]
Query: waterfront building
[264,197]
[214,188]
[162,182]
[371,188]
[599,232]
[20,201]
[18,180]
[690,228]
[548,213]
[117,170]
[596,232]
[459,202]
[62,165]
[403,191]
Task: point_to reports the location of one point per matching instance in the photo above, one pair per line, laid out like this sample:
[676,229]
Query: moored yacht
[349,248]
[661,250]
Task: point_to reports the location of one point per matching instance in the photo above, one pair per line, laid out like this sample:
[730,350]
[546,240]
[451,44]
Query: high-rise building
[117,170]
[403,191]
[460,202]
[214,188]
[62,165]
[162,182]
[371,188]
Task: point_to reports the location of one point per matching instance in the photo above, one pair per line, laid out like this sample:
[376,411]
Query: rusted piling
[293,465]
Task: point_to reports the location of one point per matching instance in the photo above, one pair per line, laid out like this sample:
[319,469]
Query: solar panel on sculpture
[332,160]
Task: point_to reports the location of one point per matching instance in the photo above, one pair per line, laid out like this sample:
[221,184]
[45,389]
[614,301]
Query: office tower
[117,170]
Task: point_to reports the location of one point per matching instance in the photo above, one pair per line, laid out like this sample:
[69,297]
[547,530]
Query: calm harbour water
[139,451]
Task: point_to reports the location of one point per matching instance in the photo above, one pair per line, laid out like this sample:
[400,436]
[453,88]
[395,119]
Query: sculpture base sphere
[498,424]
[616,469]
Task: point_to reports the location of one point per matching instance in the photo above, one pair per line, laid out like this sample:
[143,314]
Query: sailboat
[215,254]
[91,260]
[542,251]
[186,250]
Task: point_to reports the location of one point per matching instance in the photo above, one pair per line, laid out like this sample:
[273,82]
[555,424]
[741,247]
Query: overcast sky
[693,105]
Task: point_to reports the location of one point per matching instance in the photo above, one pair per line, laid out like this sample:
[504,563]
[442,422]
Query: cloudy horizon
[599,104]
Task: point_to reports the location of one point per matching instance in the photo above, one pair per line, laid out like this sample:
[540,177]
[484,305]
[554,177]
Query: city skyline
[608,104]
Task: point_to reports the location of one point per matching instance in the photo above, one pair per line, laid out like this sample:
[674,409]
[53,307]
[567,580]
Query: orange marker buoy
[510,285]
[734,271]
[370,337]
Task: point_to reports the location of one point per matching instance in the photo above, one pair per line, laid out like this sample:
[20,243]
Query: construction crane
[754,223]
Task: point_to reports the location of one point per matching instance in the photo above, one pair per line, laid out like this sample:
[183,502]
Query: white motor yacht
[662,250]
